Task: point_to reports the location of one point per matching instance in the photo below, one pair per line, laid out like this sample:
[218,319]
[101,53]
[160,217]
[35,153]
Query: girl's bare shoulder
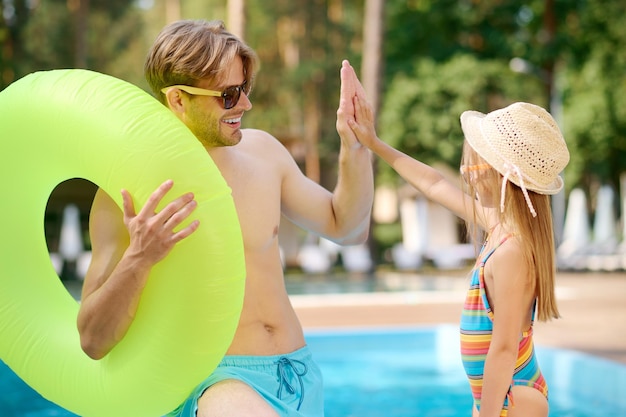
[510,260]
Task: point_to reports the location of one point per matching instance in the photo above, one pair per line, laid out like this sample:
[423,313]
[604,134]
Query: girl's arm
[424,178]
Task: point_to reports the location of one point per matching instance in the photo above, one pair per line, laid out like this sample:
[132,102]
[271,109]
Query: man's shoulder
[257,134]
[259,143]
[256,138]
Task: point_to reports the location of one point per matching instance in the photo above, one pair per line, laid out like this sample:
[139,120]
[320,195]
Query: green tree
[422,107]
[594,100]
[100,35]
[301,44]
[13,19]
[448,56]
[575,53]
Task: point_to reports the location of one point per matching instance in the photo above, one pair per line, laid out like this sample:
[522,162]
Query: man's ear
[174,100]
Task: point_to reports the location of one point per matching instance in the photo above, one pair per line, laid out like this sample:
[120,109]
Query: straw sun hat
[523,143]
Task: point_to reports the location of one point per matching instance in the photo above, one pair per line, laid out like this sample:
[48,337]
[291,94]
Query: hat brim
[470,123]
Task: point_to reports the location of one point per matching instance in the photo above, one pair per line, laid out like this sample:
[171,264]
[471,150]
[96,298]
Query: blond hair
[190,50]
[535,233]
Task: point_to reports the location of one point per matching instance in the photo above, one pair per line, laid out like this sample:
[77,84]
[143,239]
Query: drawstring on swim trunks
[284,377]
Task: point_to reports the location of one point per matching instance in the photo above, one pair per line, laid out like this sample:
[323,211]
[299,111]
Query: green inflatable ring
[63,124]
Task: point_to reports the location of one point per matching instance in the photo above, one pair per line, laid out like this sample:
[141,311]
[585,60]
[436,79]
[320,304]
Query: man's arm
[344,215]
[124,249]
[354,194]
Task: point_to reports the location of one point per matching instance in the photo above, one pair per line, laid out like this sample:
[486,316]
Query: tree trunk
[172,10]
[371,68]
[80,10]
[237,18]
[312,121]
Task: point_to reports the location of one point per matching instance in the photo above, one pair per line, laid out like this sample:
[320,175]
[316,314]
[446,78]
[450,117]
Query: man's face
[206,117]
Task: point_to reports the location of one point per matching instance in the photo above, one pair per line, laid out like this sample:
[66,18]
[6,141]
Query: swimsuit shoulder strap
[504,239]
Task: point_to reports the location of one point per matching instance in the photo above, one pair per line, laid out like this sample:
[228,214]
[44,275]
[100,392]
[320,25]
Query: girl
[511,162]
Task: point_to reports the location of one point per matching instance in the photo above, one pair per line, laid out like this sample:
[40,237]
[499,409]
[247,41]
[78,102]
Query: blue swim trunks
[291,383]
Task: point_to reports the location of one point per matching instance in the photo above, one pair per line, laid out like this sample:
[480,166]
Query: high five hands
[351,93]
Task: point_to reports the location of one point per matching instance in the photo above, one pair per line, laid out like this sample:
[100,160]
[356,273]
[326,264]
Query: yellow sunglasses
[230,96]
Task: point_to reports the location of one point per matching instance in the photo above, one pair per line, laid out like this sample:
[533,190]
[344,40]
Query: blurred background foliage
[436,59]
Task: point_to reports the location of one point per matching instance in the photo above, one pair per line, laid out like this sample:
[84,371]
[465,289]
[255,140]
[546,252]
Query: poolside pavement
[592,306]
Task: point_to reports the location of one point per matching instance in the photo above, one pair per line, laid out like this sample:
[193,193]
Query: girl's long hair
[536,234]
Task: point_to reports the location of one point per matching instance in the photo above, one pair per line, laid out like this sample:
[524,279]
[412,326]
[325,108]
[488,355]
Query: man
[268,370]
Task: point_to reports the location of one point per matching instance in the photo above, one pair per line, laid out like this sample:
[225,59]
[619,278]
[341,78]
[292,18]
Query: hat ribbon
[510,167]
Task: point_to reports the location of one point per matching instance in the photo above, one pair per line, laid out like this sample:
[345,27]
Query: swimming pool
[405,372]
[417,372]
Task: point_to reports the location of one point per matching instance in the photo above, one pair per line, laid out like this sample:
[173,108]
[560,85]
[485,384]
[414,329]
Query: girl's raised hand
[363,123]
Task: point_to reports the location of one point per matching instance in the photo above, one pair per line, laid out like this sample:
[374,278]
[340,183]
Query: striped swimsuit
[476,330]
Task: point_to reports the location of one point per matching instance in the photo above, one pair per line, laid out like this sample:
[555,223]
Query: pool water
[18,400]
[391,373]
[407,372]
[418,372]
